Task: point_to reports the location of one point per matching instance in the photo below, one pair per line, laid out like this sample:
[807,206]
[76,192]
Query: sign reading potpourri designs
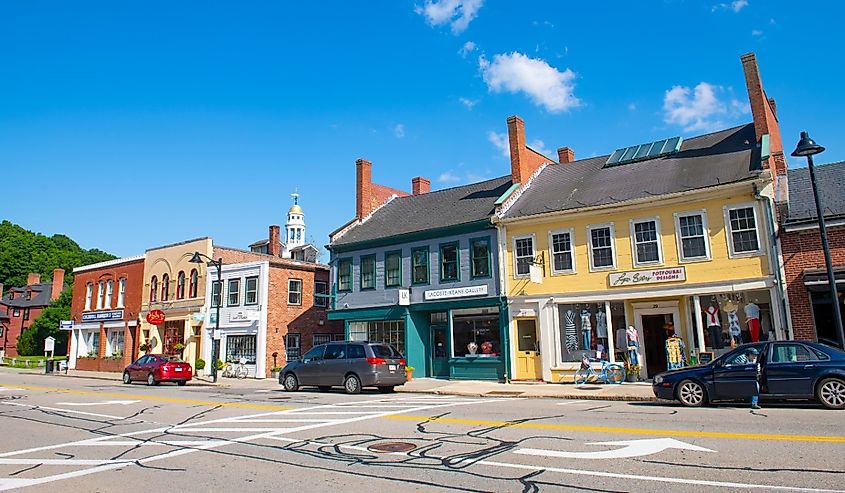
[668,274]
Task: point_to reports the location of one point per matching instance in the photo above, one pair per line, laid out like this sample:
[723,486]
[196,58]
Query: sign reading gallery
[633,278]
[442,294]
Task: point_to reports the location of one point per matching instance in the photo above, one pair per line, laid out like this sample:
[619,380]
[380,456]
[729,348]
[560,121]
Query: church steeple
[294,227]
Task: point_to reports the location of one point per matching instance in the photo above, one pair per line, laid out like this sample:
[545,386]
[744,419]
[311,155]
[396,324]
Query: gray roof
[727,156]
[40,296]
[830,179]
[434,210]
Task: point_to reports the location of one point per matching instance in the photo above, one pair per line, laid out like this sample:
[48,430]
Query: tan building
[175,286]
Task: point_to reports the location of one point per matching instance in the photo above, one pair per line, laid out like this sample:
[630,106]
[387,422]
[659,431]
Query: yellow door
[528,363]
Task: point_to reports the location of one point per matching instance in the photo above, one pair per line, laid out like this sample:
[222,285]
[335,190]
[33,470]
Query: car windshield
[172,359]
[385,351]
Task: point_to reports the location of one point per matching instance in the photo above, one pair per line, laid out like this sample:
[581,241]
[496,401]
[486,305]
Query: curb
[192,383]
[618,398]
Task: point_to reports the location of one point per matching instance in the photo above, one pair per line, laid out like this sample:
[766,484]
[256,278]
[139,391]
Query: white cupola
[294,227]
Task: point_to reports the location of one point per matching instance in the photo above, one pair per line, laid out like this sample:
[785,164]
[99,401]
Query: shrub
[200,364]
[220,364]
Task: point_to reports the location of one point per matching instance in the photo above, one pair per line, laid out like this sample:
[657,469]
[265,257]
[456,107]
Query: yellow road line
[176,400]
[631,431]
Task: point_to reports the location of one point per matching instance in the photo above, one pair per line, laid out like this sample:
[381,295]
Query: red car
[156,368]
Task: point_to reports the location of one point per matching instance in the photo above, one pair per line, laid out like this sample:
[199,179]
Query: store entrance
[440,352]
[654,342]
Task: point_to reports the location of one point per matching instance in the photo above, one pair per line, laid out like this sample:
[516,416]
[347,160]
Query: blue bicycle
[610,373]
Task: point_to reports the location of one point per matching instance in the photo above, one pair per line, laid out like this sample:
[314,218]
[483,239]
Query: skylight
[642,152]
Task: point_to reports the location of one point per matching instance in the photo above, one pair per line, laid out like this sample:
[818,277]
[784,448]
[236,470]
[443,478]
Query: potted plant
[199,364]
[220,364]
[145,348]
[632,372]
[274,372]
[409,373]
[178,347]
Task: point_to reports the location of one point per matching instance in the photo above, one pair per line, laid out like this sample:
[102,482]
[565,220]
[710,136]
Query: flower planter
[274,374]
[409,375]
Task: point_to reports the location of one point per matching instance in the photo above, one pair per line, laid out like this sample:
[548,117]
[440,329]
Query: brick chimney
[524,161]
[420,185]
[565,155]
[274,247]
[363,188]
[33,278]
[763,110]
[58,283]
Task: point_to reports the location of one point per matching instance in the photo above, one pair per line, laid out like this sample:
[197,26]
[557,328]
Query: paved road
[68,434]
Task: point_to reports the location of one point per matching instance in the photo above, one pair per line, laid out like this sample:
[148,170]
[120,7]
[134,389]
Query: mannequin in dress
[633,345]
[586,328]
[752,317]
[571,340]
[714,326]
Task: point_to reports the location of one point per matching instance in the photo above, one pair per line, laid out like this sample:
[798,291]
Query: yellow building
[609,256]
[175,286]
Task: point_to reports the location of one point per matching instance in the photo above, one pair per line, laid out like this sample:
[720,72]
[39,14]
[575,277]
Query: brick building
[806,276]
[24,304]
[105,308]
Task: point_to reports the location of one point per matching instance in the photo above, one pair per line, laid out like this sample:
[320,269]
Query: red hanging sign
[155,317]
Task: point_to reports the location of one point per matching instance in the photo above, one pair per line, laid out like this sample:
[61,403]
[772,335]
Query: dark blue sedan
[790,370]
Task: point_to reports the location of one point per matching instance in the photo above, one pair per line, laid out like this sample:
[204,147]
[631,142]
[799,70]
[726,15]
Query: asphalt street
[76,434]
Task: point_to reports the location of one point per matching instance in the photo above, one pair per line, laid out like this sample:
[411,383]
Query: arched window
[165,287]
[154,289]
[180,286]
[192,289]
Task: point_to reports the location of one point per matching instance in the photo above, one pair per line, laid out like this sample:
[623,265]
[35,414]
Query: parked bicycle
[240,371]
[610,373]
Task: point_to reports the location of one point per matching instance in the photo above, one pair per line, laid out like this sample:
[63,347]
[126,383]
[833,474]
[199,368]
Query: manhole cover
[392,447]
[504,393]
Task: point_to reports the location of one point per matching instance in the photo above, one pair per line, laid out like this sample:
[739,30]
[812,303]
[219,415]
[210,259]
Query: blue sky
[127,125]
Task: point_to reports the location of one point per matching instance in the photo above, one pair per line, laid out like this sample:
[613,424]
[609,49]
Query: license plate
[178,368]
[392,367]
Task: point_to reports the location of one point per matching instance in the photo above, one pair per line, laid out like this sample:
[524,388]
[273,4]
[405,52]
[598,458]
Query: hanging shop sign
[404,297]
[442,294]
[155,317]
[637,277]
[102,316]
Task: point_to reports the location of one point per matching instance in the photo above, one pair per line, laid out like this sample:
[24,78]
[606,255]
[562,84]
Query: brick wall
[803,250]
[10,336]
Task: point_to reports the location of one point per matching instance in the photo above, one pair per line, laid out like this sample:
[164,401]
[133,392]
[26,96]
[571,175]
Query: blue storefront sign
[102,316]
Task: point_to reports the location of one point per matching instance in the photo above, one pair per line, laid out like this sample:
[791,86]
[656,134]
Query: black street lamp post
[807,147]
[215,341]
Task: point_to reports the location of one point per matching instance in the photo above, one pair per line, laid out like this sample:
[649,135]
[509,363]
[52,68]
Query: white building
[293,245]
[242,329]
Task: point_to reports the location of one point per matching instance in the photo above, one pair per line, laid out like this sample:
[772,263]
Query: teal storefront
[458,340]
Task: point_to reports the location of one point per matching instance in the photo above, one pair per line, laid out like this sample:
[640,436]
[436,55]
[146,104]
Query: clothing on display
[586,328]
[734,328]
[633,346]
[620,342]
[714,327]
[752,316]
[569,331]
[676,354]
[601,325]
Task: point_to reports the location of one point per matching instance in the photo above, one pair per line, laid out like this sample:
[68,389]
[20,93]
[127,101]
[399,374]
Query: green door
[439,351]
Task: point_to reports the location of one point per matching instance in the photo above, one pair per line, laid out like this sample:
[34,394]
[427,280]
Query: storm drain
[391,447]
[504,393]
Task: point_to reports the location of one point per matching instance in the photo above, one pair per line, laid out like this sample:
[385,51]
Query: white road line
[140,443]
[225,430]
[286,420]
[63,462]
[36,407]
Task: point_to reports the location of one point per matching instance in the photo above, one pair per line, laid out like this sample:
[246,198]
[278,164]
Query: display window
[238,347]
[584,329]
[731,319]
[476,335]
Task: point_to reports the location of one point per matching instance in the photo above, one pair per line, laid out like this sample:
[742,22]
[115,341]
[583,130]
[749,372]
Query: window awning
[817,280]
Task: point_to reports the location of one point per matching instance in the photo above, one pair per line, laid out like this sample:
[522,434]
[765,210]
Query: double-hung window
[165,287]
[216,293]
[449,262]
[101,291]
[180,285]
[109,292]
[192,288]
[121,292]
[602,255]
[368,272]
[480,253]
[89,291]
[645,234]
[393,269]
[419,265]
[154,289]
[294,291]
[742,222]
[563,260]
[251,291]
[234,292]
[321,288]
[344,274]
[523,249]
[692,236]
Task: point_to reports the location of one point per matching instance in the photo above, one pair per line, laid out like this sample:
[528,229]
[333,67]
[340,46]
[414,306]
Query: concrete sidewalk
[622,392]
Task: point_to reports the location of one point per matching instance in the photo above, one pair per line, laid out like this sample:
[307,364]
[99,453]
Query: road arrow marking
[104,403]
[631,448]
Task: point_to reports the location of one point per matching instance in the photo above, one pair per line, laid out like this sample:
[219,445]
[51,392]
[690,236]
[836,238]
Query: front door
[735,377]
[654,342]
[439,351]
[528,364]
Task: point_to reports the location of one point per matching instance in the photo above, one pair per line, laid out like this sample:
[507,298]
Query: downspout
[775,257]
[504,317]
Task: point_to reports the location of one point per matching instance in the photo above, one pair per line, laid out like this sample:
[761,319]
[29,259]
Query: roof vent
[643,152]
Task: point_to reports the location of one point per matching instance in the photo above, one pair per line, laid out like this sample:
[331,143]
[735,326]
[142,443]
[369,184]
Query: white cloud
[469,103]
[457,13]
[756,32]
[740,107]
[399,130]
[540,146]
[545,85]
[448,177]
[735,5]
[467,48]
[696,109]
[500,141]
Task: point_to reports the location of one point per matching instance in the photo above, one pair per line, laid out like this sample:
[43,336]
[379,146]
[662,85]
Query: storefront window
[238,347]
[115,343]
[823,314]
[388,331]
[584,327]
[476,335]
[731,319]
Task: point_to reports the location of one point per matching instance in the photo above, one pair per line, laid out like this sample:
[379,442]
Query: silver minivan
[351,364]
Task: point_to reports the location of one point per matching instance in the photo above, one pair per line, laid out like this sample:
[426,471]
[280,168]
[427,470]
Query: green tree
[31,342]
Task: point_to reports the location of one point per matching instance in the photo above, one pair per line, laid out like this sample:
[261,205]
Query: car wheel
[691,393]
[831,393]
[181,383]
[386,390]
[126,378]
[352,384]
[324,388]
[291,383]
[151,379]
